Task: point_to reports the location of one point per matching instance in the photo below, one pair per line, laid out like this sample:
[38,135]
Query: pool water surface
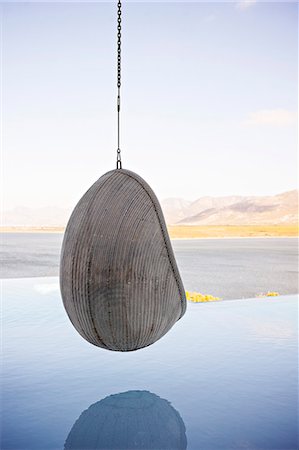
[225,377]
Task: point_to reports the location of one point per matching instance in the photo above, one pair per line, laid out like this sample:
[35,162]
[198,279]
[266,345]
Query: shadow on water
[129,420]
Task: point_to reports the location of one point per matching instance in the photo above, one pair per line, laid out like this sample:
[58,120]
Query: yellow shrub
[196,297]
[269,294]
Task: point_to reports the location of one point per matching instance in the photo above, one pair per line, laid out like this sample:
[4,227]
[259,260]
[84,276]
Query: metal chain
[118,159]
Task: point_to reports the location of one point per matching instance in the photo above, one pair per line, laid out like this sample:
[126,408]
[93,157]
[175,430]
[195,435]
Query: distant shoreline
[232,231]
[194,232]
[32,229]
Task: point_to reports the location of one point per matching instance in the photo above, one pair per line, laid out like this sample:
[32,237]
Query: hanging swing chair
[119,280]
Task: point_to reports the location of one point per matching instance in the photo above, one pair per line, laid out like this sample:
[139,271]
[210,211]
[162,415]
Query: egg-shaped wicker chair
[119,280]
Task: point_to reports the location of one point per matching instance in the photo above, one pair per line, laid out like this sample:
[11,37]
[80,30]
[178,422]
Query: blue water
[225,377]
[226,268]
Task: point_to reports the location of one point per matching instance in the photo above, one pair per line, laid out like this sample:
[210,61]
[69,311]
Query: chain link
[118,159]
[119,44]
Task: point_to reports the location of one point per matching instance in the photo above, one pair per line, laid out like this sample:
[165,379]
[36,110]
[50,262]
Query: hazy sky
[209,98]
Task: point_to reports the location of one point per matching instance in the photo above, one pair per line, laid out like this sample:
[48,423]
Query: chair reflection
[129,420]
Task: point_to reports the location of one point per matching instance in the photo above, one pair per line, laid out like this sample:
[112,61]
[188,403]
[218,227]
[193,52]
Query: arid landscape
[221,231]
[231,216]
[193,232]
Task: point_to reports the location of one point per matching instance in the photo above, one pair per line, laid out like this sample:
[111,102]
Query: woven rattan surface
[119,279]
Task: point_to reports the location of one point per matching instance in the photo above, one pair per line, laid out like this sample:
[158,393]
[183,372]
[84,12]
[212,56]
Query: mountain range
[229,210]
[233,210]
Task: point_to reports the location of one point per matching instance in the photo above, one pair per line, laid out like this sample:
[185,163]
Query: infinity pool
[225,377]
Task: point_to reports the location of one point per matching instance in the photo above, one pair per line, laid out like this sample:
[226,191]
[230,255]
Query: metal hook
[118,159]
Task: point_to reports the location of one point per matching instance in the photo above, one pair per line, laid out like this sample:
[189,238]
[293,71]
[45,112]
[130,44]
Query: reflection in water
[130,420]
